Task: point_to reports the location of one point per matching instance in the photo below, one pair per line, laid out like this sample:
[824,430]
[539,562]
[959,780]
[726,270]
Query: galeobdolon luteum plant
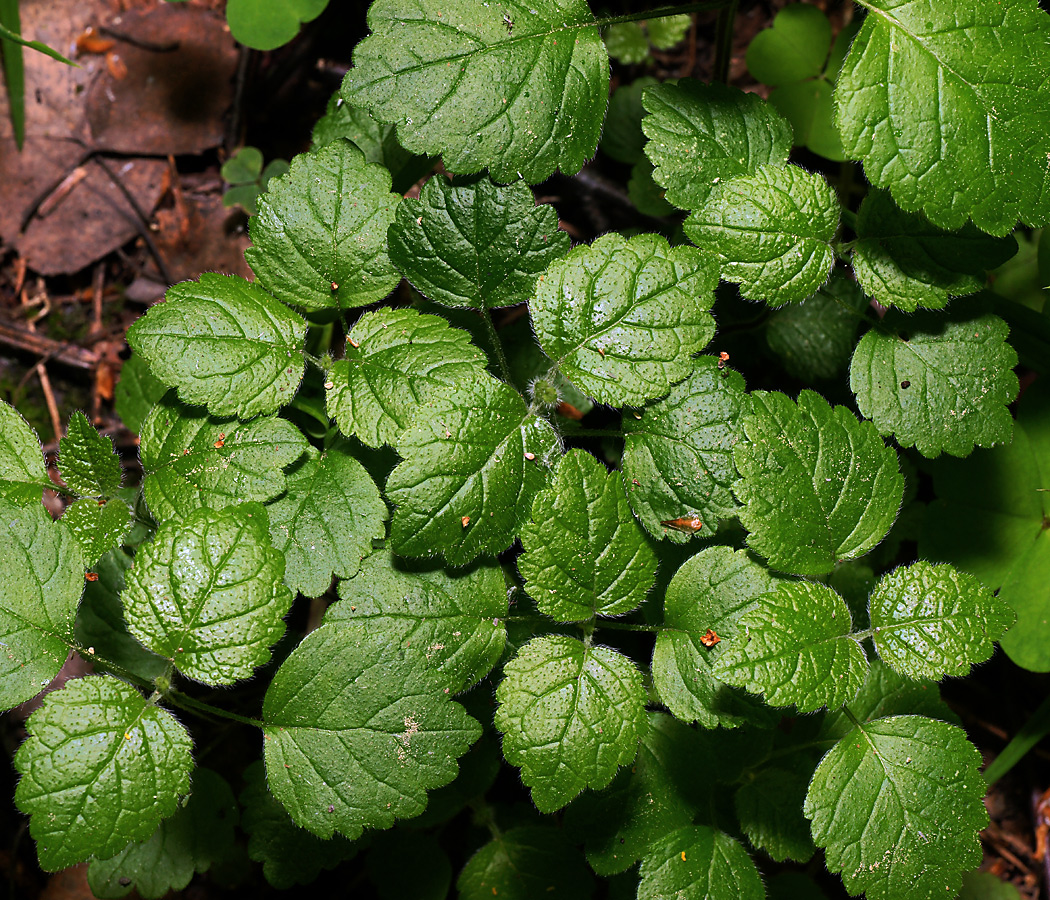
[707,647]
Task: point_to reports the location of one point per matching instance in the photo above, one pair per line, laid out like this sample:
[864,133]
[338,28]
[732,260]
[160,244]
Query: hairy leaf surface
[622,317]
[678,452]
[570,715]
[22,470]
[41,580]
[795,647]
[948,107]
[324,524]
[517,87]
[703,134]
[101,767]
[470,242]
[86,459]
[394,358]
[710,592]
[207,593]
[225,343]
[319,240]
[191,459]
[937,383]
[699,863]
[772,231]
[454,617]
[818,486]
[355,735]
[584,553]
[98,529]
[915,807]
[474,459]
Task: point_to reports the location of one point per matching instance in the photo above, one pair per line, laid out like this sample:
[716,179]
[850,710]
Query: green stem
[1031,733]
[663,13]
[180,699]
[316,361]
[630,626]
[595,432]
[497,345]
[724,41]
[851,717]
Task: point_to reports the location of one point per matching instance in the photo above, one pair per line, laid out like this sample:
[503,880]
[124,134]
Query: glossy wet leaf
[355,736]
[947,107]
[471,242]
[703,134]
[474,458]
[817,485]
[678,452]
[86,459]
[910,828]
[930,621]
[199,834]
[225,343]
[710,592]
[519,87]
[325,522]
[622,317]
[22,471]
[99,745]
[400,357]
[41,580]
[97,529]
[584,553]
[796,648]
[570,715]
[938,383]
[319,240]
[207,593]
[772,232]
[191,459]
[903,260]
[699,863]
[530,862]
[454,616]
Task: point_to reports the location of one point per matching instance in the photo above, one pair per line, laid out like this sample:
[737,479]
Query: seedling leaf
[87,461]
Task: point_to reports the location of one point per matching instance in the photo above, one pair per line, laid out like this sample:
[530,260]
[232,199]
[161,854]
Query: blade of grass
[14,67]
[1031,733]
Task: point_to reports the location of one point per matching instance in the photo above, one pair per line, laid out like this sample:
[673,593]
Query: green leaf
[101,767]
[627,43]
[244,167]
[518,87]
[710,592]
[793,49]
[703,134]
[622,317]
[796,646]
[207,593]
[87,461]
[666,32]
[570,715]
[915,807]
[224,343]
[931,621]
[530,862]
[817,485]
[772,231]
[324,524]
[100,626]
[699,863]
[136,393]
[474,457]
[454,617]
[319,240]
[290,855]
[355,735]
[769,807]
[902,260]
[678,452]
[199,834]
[41,580]
[622,135]
[98,529]
[22,470]
[584,553]
[938,383]
[646,195]
[395,358]
[815,338]
[987,886]
[191,459]
[808,106]
[662,790]
[950,113]
[470,242]
[267,24]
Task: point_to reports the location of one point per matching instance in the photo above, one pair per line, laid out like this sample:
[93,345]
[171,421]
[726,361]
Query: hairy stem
[497,345]
[663,13]
[182,700]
